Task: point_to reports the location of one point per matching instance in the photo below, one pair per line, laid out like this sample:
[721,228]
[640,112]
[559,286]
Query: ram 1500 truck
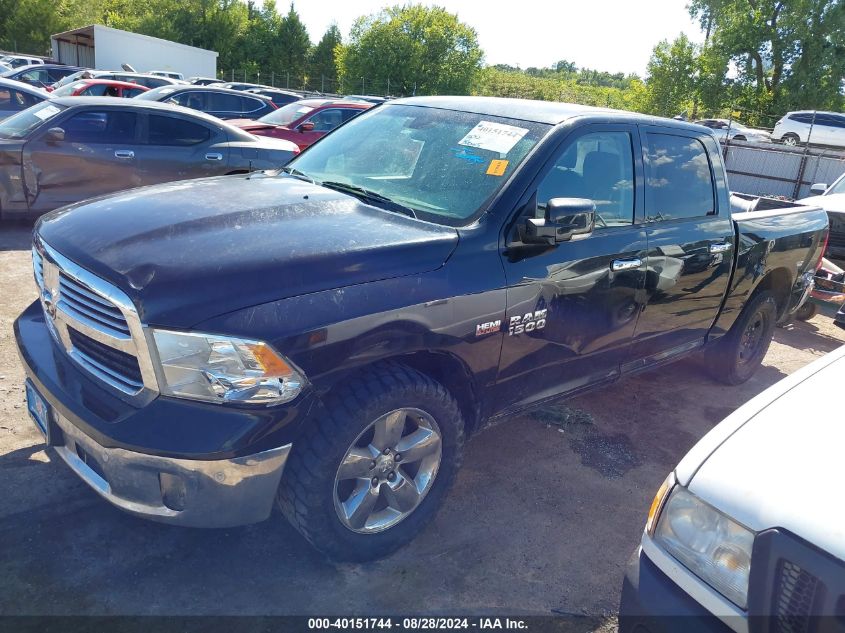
[329,335]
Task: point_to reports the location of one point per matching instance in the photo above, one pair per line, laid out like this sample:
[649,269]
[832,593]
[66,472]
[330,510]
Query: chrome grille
[86,305]
[95,322]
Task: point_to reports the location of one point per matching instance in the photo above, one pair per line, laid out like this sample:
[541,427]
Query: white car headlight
[224,369]
[714,547]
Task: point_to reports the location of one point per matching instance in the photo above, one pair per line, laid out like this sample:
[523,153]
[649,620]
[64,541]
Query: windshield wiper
[298,174]
[371,196]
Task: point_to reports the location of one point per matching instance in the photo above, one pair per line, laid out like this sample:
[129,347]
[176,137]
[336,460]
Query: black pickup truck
[329,335]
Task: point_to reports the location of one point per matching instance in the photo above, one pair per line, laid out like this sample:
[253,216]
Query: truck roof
[550,112]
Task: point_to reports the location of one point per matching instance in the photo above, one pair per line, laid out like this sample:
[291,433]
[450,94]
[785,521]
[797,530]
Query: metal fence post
[802,166]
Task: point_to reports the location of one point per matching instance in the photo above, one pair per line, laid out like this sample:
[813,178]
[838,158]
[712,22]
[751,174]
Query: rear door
[690,243]
[176,147]
[572,308]
[96,157]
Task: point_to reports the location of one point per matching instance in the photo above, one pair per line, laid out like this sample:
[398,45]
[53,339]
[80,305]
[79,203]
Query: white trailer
[105,48]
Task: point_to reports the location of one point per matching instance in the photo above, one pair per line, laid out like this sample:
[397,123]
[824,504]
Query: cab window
[600,167]
[679,182]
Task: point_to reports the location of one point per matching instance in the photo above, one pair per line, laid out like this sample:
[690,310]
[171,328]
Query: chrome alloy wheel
[388,471]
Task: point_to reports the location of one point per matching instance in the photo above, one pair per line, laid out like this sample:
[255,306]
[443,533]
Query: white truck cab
[750,526]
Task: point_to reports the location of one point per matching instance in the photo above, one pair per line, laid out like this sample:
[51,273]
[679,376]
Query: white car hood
[834,203]
[784,467]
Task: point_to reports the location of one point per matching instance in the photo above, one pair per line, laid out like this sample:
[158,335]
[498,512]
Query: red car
[305,121]
[99,88]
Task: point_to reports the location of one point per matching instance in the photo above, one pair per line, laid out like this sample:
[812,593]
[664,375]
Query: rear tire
[351,497]
[737,355]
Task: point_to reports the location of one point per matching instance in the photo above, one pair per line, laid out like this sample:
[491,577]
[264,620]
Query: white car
[17,61]
[832,200]
[828,128]
[724,128]
[751,522]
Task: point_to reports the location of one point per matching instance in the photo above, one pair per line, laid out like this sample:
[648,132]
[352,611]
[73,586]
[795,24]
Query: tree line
[759,57]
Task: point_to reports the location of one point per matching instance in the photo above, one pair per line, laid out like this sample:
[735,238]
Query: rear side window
[221,102]
[132,92]
[251,105]
[101,127]
[166,130]
[679,183]
[804,117]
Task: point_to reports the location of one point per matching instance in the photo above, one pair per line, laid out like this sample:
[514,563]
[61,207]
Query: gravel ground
[543,517]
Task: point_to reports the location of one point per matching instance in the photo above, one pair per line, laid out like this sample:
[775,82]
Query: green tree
[670,80]
[411,49]
[292,43]
[787,54]
[322,66]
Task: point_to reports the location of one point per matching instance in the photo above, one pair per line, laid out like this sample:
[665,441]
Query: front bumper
[196,493]
[652,603]
[175,461]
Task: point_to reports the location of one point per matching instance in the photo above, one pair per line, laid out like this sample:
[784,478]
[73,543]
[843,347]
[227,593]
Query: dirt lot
[544,515]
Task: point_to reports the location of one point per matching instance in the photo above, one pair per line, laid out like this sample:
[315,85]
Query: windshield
[838,187]
[156,94]
[442,164]
[68,90]
[22,123]
[286,114]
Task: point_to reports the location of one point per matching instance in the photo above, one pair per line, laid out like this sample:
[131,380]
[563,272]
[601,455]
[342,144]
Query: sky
[608,35]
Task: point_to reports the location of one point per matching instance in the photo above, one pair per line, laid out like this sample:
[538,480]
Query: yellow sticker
[497,167]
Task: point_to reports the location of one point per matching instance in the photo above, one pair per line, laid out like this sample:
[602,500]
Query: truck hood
[833,203]
[782,466]
[188,251]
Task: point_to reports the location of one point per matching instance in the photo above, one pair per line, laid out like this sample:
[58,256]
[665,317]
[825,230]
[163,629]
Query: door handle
[625,264]
[213,156]
[721,247]
[124,153]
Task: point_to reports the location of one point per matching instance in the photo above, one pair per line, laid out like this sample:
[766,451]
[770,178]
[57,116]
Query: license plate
[39,410]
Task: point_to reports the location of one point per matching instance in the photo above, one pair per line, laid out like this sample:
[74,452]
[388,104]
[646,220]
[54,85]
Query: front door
[690,243]
[572,308]
[96,157]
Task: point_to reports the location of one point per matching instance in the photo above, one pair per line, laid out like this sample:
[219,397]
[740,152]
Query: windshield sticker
[463,154]
[47,112]
[497,167]
[494,137]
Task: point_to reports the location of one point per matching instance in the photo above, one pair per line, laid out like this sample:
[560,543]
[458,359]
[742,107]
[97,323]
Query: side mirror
[55,135]
[308,126]
[565,218]
[818,189]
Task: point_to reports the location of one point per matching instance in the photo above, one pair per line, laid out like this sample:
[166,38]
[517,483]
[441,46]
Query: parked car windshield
[286,114]
[838,187]
[442,164]
[22,123]
[68,90]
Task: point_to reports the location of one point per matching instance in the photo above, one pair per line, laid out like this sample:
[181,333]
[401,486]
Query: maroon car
[305,121]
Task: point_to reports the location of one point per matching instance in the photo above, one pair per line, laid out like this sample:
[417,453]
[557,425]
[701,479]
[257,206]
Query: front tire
[374,464]
[790,139]
[738,354]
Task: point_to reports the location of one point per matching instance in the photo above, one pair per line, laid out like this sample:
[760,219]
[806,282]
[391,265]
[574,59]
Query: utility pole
[322,83]
[287,79]
[388,86]
[363,92]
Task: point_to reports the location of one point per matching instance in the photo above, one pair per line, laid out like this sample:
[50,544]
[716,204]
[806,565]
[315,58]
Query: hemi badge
[488,328]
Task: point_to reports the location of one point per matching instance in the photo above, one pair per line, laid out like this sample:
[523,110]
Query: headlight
[223,369]
[713,546]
